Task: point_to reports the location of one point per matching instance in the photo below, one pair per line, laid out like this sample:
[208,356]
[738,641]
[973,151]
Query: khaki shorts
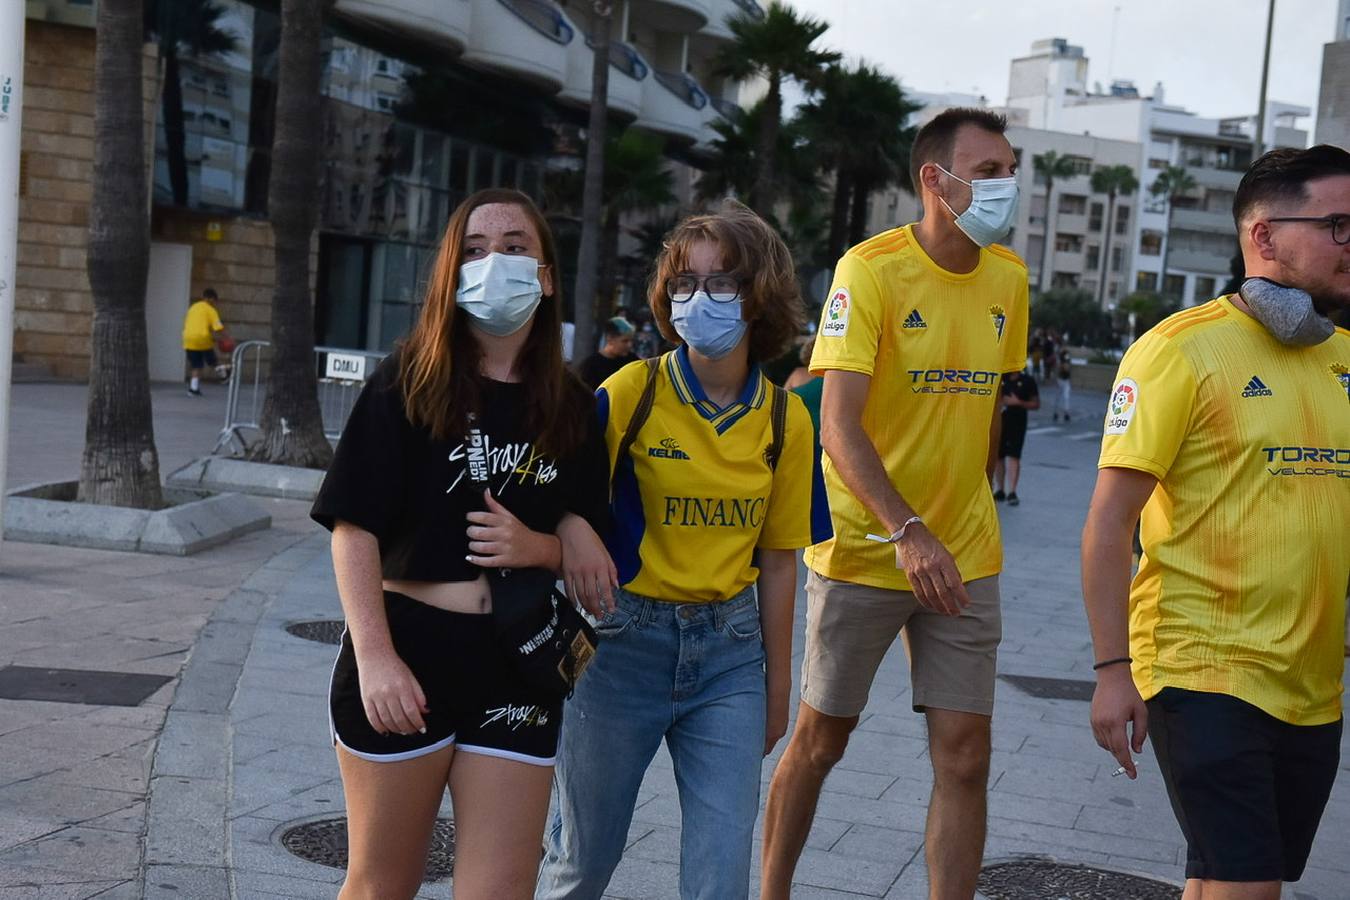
[849,628]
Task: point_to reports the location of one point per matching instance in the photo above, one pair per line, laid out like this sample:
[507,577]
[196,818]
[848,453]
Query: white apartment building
[1333,100]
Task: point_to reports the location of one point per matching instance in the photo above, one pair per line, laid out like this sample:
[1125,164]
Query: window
[1094,256]
[1146,281]
[1204,288]
[1081,165]
[1095,218]
[1069,243]
[1064,280]
[1150,242]
[1090,286]
[1122,219]
[1035,249]
[1155,163]
[1112,289]
[1174,286]
[1219,201]
[1117,257]
[1072,205]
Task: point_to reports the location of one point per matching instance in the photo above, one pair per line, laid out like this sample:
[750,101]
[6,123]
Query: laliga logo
[996,312]
[836,315]
[1122,401]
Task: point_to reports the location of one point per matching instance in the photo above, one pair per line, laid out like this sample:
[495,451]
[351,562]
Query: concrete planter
[194,520]
[221,473]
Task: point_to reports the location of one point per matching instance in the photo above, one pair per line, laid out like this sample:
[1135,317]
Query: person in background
[1019,394]
[202,328]
[805,385]
[615,353]
[647,342]
[1063,374]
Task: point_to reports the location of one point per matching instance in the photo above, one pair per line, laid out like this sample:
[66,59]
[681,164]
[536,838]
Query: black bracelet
[1112,662]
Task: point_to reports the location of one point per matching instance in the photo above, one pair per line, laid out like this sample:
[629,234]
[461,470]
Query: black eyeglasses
[1338,225]
[723,288]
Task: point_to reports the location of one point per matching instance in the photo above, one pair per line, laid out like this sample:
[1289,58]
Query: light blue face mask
[992,210]
[499,292]
[708,326]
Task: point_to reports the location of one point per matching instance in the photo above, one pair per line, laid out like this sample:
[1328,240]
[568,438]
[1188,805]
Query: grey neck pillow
[1286,312]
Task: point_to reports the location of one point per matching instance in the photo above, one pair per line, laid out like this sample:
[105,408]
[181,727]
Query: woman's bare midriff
[452,596]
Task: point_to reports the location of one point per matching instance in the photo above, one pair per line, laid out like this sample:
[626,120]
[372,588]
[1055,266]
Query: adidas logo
[1257,388]
[914,320]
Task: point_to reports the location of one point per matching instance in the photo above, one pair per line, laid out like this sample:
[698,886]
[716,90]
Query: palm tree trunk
[1167,250]
[762,191]
[592,191]
[292,426]
[175,131]
[843,187]
[120,466]
[857,223]
[609,264]
[1049,235]
[1106,248]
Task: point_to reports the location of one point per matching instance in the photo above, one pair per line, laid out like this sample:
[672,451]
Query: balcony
[441,22]
[1199,261]
[716,31]
[678,16]
[674,105]
[528,39]
[1200,220]
[627,72]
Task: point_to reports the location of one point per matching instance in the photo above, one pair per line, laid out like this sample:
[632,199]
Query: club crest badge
[996,313]
[1342,374]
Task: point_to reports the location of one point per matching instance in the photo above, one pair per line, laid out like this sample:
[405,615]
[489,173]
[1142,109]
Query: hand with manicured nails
[931,570]
[392,698]
[1115,703]
[497,539]
[587,570]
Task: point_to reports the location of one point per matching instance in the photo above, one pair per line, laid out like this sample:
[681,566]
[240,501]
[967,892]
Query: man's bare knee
[959,745]
[819,741]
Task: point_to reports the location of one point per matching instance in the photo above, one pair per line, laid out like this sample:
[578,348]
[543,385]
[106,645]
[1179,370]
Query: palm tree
[855,123]
[592,195]
[636,179]
[775,47]
[120,466]
[190,27]
[1049,165]
[1171,183]
[1112,181]
[292,425]
[737,162]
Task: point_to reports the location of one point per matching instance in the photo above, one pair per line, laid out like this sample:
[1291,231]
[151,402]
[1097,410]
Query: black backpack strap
[641,411]
[778,418]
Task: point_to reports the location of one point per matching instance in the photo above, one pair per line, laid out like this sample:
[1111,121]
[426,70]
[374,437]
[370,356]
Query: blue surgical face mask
[712,328]
[499,292]
[992,210]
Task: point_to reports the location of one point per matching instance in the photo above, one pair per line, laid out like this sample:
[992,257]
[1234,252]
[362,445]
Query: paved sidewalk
[243,750]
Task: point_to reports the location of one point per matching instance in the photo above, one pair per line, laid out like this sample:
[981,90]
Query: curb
[186,851]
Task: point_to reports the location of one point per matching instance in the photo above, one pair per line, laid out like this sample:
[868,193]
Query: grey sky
[1207,53]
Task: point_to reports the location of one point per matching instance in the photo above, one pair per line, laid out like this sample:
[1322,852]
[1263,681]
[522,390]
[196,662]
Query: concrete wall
[1333,102]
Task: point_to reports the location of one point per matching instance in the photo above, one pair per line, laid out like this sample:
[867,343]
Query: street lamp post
[11,107]
[1259,139]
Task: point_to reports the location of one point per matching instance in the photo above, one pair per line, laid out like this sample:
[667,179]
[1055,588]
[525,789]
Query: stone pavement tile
[16,829]
[67,733]
[254,789]
[824,833]
[114,855]
[261,884]
[187,822]
[880,813]
[322,799]
[1040,810]
[193,744]
[1073,841]
[843,780]
[881,844]
[254,849]
[999,847]
[910,791]
[293,759]
[42,798]
[881,754]
[143,716]
[806,892]
[112,772]
[661,843]
[1153,820]
[859,875]
[175,882]
[127,890]
[207,688]
[644,879]
[78,890]
[130,818]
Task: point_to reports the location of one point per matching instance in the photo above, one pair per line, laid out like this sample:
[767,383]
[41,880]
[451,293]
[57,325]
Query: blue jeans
[692,674]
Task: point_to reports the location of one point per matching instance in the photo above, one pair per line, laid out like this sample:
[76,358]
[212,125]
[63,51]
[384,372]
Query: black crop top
[413,492]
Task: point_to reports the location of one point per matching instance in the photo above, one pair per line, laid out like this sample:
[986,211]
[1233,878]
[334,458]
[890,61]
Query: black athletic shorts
[1012,436]
[1248,789]
[201,359]
[476,701]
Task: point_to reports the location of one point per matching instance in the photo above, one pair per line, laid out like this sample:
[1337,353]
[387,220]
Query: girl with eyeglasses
[716,485]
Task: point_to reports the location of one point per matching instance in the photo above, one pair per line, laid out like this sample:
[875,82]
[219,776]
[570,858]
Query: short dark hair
[618,327]
[935,141]
[210,294]
[1283,175]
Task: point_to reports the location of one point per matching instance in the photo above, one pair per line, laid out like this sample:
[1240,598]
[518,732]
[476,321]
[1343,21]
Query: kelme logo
[669,449]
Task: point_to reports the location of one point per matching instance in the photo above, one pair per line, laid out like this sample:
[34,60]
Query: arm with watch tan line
[929,566]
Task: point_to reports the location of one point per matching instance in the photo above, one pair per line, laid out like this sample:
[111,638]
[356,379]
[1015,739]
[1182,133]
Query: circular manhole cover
[325,631]
[324,841]
[1044,879]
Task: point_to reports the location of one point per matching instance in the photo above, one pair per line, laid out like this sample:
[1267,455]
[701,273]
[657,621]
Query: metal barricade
[340,374]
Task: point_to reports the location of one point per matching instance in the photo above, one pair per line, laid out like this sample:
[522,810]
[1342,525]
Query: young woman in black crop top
[421,698]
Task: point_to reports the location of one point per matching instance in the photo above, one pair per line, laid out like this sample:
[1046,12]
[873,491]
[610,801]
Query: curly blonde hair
[754,253]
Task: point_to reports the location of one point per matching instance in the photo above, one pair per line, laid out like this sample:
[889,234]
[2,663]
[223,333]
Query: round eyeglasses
[1338,225]
[723,288]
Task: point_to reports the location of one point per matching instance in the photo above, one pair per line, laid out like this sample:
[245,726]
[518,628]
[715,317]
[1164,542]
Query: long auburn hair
[439,363]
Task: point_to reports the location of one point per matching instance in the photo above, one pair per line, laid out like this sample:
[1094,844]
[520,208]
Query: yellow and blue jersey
[695,497]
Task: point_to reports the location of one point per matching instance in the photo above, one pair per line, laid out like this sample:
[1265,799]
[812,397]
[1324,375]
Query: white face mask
[499,292]
[992,210]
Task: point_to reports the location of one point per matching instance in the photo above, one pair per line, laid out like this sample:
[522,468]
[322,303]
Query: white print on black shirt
[516,460]
[517,717]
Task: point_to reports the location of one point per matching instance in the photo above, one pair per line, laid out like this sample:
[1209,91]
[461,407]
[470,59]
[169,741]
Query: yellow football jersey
[936,345]
[1241,589]
[695,497]
[200,325]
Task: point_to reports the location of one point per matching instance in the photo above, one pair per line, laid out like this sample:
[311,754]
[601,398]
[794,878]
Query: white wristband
[899,535]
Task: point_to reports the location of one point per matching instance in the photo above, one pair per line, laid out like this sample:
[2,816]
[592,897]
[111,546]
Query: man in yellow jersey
[201,329]
[1229,428]
[920,326]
